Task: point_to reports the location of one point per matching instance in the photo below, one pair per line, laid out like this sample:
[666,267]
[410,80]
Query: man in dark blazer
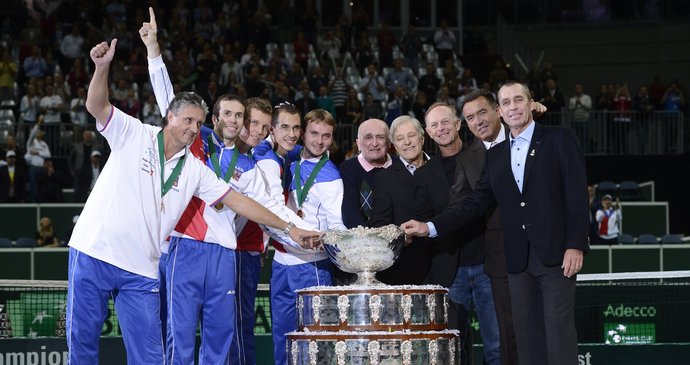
[538,179]
[12,179]
[394,201]
[480,112]
[458,259]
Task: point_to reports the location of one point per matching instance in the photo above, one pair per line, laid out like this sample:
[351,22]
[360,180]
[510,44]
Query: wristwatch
[286,230]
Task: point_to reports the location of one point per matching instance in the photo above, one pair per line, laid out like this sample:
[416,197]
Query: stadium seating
[5,242]
[626,239]
[671,239]
[607,187]
[647,239]
[25,242]
[629,191]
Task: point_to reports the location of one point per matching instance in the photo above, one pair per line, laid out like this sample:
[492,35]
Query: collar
[525,135]
[499,138]
[367,166]
[412,168]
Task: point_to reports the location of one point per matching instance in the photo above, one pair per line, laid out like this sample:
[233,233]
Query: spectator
[372,108]
[77,77]
[467,81]
[11,145]
[420,104]
[673,99]
[29,107]
[444,41]
[353,108]
[330,49]
[325,102]
[304,99]
[71,47]
[338,89]
[295,76]
[80,166]
[8,75]
[386,41]
[228,67]
[554,101]
[37,150]
[12,179]
[399,105]
[451,77]
[499,75]
[45,236]
[97,163]
[360,20]
[62,89]
[444,97]
[429,83]
[411,45]
[580,105]
[35,65]
[643,105]
[317,79]
[373,84]
[50,182]
[364,54]
[77,108]
[151,113]
[621,103]
[400,76]
[603,100]
[301,48]
[656,91]
[609,218]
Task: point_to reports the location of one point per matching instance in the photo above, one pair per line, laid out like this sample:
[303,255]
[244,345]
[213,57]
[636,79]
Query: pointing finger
[152,17]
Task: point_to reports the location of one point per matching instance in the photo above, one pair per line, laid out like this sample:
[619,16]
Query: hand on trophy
[306,239]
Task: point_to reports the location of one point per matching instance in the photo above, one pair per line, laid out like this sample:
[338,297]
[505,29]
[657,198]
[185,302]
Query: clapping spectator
[372,108]
[609,218]
[373,84]
[50,183]
[78,112]
[151,113]
[77,77]
[444,41]
[35,65]
[429,83]
[325,102]
[71,47]
[400,76]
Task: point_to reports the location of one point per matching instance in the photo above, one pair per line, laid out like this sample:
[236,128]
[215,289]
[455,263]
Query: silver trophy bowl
[364,251]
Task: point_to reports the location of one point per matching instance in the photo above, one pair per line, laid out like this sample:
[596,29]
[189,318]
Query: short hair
[525,88]
[258,104]
[476,94]
[440,103]
[284,107]
[227,97]
[405,119]
[319,115]
[183,100]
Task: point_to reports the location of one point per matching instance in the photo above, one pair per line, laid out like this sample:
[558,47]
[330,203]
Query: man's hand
[306,239]
[102,54]
[149,30]
[414,228]
[572,262]
[538,109]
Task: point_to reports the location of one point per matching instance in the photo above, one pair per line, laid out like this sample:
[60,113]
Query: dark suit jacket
[394,204]
[548,216]
[19,184]
[431,198]
[467,174]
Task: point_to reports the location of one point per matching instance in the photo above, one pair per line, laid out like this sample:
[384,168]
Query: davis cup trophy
[364,251]
[368,322]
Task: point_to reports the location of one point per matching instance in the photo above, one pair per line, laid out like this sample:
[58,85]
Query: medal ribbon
[216,163]
[303,191]
[167,184]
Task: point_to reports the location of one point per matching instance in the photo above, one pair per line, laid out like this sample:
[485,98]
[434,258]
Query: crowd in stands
[354,70]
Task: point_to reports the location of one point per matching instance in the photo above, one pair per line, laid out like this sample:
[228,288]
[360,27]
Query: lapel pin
[532,153]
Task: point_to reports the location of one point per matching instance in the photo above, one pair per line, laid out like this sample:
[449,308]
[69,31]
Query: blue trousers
[473,286]
[248,268]
[284,281]
[92,283]
[201,282]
